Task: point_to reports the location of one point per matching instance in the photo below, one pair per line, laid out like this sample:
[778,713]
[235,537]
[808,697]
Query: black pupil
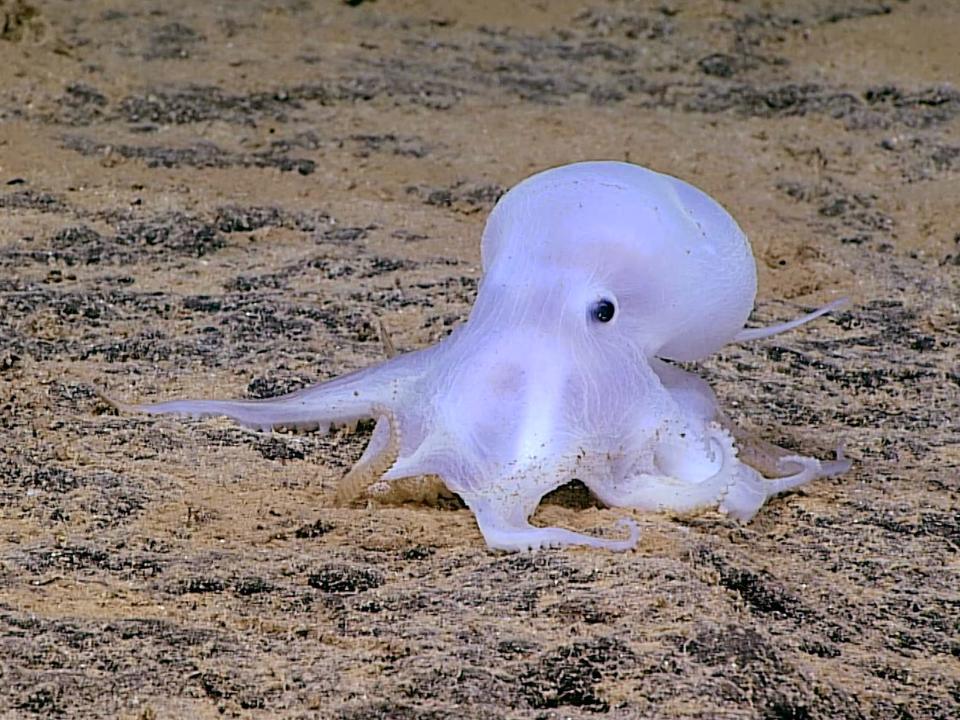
[603,311]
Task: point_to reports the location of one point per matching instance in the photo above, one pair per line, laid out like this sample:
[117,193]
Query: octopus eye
[603,310]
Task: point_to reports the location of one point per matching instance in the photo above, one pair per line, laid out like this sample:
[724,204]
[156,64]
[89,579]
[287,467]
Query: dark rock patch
[462,197]
[84,558]
[32,200]
[200,585]
[203,103]
[345,235]
[199,155]
[317,528]
[401,145]
[276,448]
[276,384]
[344,579]
[172,41]
[569,675]
[81,105]
[176,232]
[237,219]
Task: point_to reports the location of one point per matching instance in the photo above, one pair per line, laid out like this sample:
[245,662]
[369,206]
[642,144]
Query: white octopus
[596,275]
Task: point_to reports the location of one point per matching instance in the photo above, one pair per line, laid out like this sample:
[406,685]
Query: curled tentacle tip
[841,464]
[634,537]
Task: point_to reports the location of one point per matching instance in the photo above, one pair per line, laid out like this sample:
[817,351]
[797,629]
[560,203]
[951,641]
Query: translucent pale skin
[539,387]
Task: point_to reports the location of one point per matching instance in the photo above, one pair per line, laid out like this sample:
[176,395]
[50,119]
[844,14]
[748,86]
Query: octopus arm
[356,396]
[758,333]
[737,488]
[381,452]
[503,528]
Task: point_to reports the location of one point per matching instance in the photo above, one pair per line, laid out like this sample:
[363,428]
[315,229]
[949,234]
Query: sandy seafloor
[228,199]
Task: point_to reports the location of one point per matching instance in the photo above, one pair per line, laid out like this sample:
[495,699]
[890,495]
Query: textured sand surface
[227,199]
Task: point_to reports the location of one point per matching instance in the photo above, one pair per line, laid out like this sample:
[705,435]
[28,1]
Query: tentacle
[380,454]
[688,390]
[749,490]
[773,461]
[757,333]
[762,455]
[511,531]
[810,469]
[345,399]
[738,489]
